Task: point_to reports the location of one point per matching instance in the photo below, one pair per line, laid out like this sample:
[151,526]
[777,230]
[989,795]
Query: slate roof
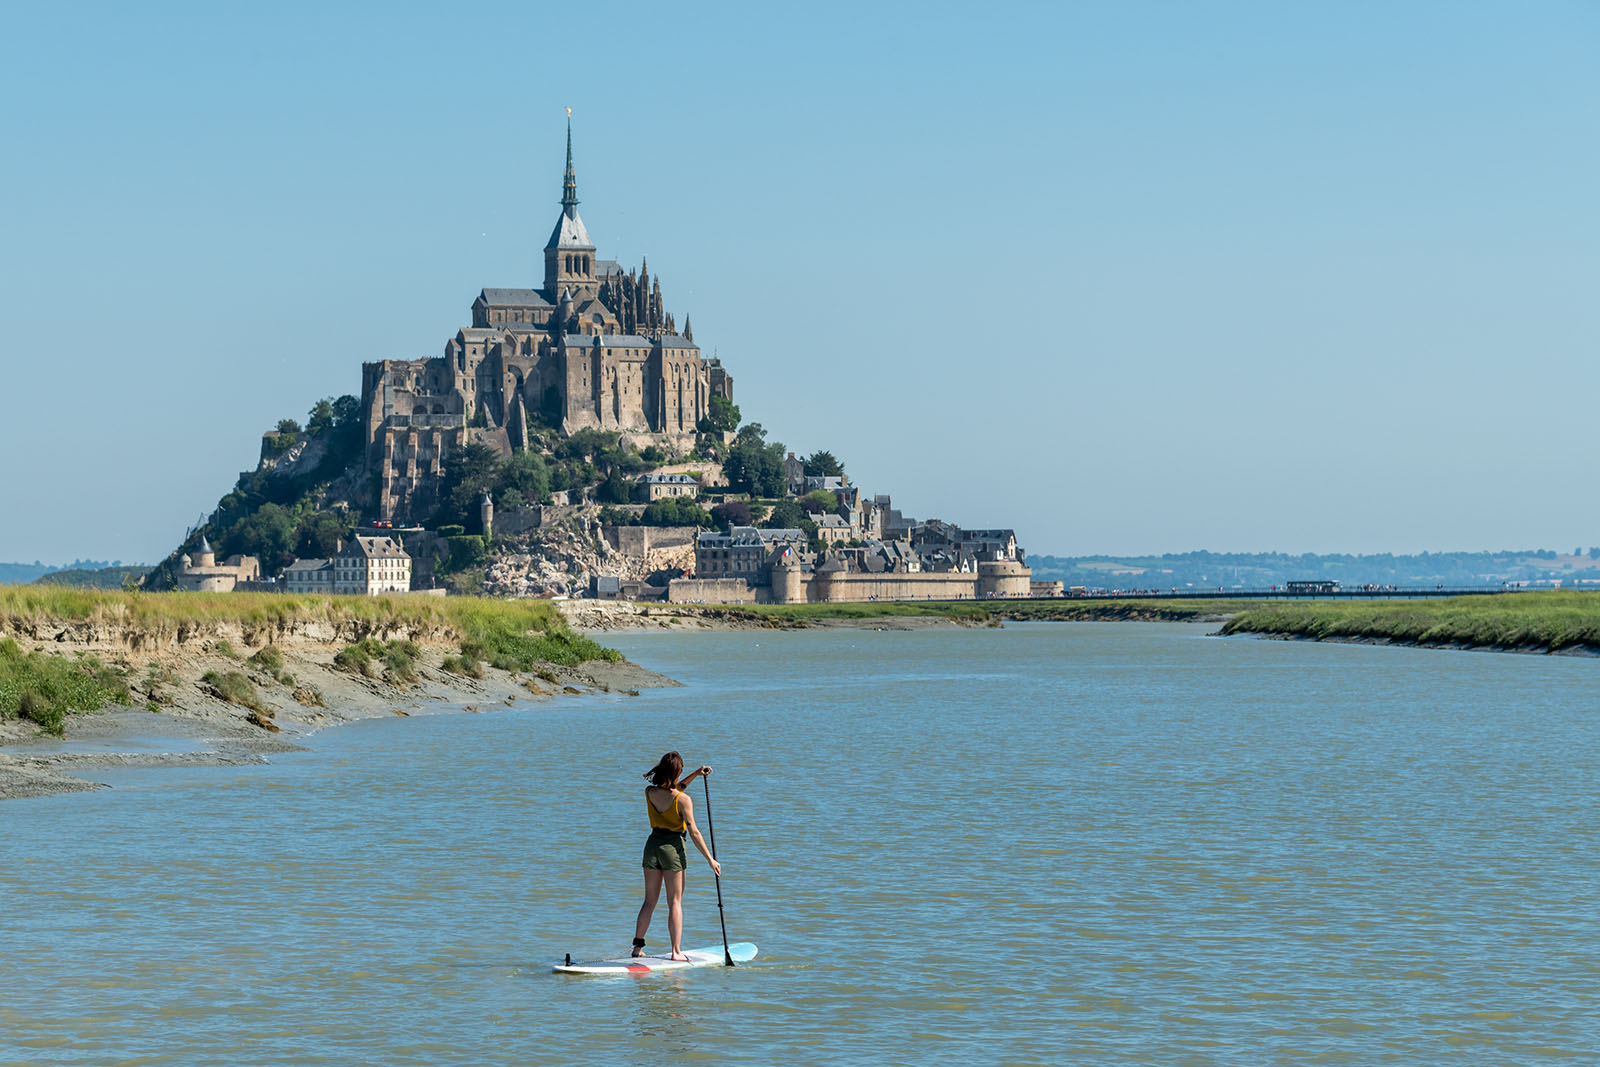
[374,548]
[607,340]
[307,565]
[517,298]
[666,479]
[672,340]
[570,233]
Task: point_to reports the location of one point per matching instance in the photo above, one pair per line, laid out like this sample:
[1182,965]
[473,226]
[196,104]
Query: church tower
[569,257]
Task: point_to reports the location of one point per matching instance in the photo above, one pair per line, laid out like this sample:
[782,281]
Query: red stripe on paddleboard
[634,968]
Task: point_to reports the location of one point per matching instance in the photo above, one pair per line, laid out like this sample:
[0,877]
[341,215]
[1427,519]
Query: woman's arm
[694,832]
[683,783]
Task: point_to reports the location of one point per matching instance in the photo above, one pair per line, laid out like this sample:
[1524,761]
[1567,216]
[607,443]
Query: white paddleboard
[741,951]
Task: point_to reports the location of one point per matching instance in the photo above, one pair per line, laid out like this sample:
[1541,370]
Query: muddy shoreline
[183,722]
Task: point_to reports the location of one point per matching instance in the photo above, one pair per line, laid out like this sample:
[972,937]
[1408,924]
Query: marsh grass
[268,658]
[394,661]
[1548,621]
[974,612]
[465,666]
[43,688]
[235,688]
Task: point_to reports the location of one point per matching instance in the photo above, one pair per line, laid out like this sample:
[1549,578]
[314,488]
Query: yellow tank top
[671,819]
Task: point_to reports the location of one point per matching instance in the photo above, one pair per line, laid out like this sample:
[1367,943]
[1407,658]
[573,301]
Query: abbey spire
[569,184]
[569,257]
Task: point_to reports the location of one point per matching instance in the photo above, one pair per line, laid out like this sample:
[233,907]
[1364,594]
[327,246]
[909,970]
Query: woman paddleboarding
[665,857]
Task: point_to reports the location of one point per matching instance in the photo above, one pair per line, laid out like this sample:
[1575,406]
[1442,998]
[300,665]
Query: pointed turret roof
[569,231]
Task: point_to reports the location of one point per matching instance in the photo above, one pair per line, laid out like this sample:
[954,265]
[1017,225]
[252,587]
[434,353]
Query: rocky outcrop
[559,560]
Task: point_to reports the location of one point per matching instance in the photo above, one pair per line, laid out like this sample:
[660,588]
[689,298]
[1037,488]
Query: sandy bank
[183,721]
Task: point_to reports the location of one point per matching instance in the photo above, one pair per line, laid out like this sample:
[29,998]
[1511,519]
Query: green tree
[288,426]
[468,474]
[819,502]
[754,466]
[731,514]
[319,534]
[788,515]
[675,512]
[527,474]
[268,534]
[823,465]
[722,417]
[617,488]
[320,420]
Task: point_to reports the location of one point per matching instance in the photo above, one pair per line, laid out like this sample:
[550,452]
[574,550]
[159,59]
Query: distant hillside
[1261,570]
[26,573]
[22,573]
[96,578]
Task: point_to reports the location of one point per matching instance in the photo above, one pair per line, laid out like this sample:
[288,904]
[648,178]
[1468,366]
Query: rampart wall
[710,591]
[850,587]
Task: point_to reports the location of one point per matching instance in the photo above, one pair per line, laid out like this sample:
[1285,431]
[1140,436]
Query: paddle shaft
[711,830]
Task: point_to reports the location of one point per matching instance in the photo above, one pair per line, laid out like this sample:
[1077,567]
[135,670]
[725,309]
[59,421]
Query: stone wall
[853,587]
[710,591]
[642,540]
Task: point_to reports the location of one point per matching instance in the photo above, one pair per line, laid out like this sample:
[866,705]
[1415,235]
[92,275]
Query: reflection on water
[1072,843]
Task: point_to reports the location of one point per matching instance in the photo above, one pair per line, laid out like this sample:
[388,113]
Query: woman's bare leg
[652,893]
[674,880]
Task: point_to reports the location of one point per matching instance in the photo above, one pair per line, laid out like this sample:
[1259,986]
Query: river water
[1050,843]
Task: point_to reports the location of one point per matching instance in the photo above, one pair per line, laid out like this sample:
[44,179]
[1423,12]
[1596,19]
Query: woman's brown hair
[665,774]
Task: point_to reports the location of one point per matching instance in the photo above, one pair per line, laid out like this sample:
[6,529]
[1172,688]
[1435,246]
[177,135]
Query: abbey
[593,349]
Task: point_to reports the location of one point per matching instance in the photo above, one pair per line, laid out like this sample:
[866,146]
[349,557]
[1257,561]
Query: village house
[309,576]
[371,565]
[834,530]
[743,552]
[652,487]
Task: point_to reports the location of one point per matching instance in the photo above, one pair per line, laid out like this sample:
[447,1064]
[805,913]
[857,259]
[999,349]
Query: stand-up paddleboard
[742,952]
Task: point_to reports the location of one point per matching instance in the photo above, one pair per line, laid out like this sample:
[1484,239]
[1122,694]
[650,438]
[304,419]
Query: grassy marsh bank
[610,615]
[1552,621]
[65,650]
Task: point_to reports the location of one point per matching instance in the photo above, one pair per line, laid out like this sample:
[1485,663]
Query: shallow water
[1087,843]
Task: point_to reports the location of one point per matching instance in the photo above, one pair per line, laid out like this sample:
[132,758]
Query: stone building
[308,576]
[370,565]
[744,552]
[201,573]
[658,486]
[593,348]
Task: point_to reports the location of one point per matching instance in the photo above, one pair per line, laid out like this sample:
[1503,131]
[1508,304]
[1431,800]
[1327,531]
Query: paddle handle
[711,831]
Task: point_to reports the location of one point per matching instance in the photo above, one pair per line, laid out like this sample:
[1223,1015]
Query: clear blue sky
[1126,276]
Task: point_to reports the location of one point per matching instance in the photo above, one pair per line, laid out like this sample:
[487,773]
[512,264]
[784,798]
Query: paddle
[711,830]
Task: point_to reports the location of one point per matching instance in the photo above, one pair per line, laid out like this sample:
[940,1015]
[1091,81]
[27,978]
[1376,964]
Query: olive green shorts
[664,851]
